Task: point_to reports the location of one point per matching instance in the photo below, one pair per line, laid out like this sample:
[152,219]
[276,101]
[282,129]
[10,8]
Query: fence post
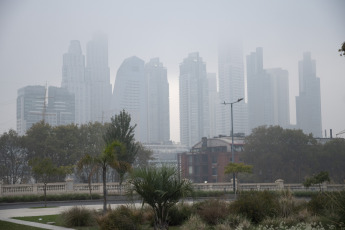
[69,185]
[280,184]
[1,188]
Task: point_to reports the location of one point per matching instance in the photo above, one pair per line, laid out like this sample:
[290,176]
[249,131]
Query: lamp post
[232,139]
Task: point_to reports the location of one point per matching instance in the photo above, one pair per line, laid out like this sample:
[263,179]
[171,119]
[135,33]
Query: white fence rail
[116,189]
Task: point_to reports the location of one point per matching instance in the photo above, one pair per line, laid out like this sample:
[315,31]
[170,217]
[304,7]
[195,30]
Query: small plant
[179,214]
[255,205]
[194,223]
[212,211]
[78,216]
[122,218]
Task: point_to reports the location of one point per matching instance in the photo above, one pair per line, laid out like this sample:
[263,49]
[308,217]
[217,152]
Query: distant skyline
[34,35]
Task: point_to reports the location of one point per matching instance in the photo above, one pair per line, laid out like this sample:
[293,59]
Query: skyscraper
[213,103]
[130,94]
[98,78]
[34,105]
[280,96]
[308,103]
[158,102]
[73,79]
[231,88]
[259,85]
[30,107]
[61,107]
[194,110]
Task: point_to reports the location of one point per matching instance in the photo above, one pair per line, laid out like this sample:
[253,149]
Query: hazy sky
[35,34]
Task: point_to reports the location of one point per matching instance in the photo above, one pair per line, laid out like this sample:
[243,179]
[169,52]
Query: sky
[34,34]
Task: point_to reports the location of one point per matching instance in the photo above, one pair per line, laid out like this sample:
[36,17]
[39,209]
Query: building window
[190,159]
[214,171]
[190,170]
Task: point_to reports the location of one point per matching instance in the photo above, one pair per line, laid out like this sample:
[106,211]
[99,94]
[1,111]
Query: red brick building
[207,159]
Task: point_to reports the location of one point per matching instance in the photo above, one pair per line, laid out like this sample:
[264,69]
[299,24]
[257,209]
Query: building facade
[97,76]
[207,159]
[30,107]
[194,110]
[158,102]
[61,107]
[35,104]
[280,95]
[73,79]
[231,86]
[130,94]
[308,103]
[259,85]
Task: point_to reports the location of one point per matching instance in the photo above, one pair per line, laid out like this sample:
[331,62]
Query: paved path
[7,214]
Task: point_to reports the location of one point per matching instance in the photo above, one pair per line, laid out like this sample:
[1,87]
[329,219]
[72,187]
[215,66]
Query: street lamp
[232,139]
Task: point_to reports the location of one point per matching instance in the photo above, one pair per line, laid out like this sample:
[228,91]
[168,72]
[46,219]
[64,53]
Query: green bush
[179,214]
[319,204]
[194,223]
[78,217]
[212,211]
[236,222]
[122,218]
[60,197]
[288,204]
[256,205]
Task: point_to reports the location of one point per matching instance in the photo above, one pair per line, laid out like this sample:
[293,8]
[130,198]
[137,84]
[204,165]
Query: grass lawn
[49,218]
[13,226]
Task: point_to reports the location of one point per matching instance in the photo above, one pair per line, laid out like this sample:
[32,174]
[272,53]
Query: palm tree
[160,188]
[108,158]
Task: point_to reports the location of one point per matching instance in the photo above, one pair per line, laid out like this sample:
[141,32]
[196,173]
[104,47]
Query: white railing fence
[115,189]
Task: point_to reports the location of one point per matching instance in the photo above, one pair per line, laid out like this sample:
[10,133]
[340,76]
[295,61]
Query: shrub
[78,216]
[288,204]
[32,198]
[237,221]
[122,218]
[212,211]
[179,214]
[256,205]
[318,204]
[194,223]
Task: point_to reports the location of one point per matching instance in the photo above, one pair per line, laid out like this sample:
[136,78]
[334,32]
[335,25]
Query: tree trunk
[104,189]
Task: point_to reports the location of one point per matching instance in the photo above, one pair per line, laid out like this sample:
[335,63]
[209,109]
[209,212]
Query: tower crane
[341,132]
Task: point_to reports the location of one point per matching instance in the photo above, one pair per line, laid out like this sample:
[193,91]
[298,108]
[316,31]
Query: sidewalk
[6,215]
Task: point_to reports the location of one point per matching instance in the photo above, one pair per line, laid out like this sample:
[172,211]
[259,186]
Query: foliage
[288,205]
[278,153]
[13,164]
[179,214]
[256,205]
[333,159]
[194,223]
[236,168]
[212,211]
[60,197]
[60,143]
[122,218]
[121,130]
[330,205]
[317,179]
[160,188]
[342,49]
[108,158]
[78,216]
[143,156]
[44,171]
